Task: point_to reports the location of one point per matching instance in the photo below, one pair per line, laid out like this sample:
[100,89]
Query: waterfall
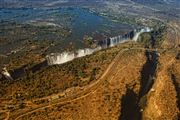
[6,74]
[118,39]
[147,29]
[59,58]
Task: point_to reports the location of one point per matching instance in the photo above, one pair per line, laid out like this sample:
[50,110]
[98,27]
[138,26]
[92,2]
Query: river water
[80,21]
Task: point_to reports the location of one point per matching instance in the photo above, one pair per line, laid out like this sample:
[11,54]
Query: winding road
[87,91]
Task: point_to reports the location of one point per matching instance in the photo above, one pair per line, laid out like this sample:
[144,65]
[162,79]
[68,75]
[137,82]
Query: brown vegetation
[163,99]
[107,100]
[121,83]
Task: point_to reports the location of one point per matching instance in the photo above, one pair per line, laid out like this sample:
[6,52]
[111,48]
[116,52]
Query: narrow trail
[89,90]
[7,118]
[92,88]
[7,113]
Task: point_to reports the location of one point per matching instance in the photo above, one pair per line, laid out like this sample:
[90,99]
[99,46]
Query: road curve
[90,89]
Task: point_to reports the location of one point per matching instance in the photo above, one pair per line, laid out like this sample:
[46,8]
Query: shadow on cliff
[129,106]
